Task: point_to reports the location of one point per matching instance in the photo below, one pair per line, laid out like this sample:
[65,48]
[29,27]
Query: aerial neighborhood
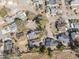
[38,26]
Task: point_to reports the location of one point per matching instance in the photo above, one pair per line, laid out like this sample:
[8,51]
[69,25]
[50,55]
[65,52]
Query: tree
[49,51]
[42,23]
[20,24]
[77,50]
[60,46]
[76,42]
[3,12]
[42,48]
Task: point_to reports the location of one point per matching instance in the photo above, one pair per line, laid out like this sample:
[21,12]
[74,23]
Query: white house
[9,19]
[9,29]
[21,15]
[13,27]
[75,3]
[5,30]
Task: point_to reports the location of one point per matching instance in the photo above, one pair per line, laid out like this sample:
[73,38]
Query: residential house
[21,15]
[75,38]
[34,43]
[51,2]
[8,45]
[75,6]
[13,28]
[9,29]
[74,34]
[75,3]
[9,19]
[5,30]
[51,10]
[32,34]
[74,23]
[51,7]
[64,38]
[33,38]
[38,4]
[50,42]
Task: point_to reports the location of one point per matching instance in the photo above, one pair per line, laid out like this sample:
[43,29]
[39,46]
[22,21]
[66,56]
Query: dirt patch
[55,55]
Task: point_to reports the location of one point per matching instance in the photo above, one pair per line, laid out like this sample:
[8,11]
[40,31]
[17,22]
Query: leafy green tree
[49,51]
[77,50]
[42,23]
[60,46]
[3,12]
[42,48]
[20,24]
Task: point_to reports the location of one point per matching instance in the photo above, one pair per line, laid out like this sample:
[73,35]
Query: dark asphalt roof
[52,1]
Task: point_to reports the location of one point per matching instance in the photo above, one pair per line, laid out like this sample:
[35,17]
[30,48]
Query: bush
[77,50]
[20,24]
[42,23]
[49,51]
[60,46]
[3,12]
